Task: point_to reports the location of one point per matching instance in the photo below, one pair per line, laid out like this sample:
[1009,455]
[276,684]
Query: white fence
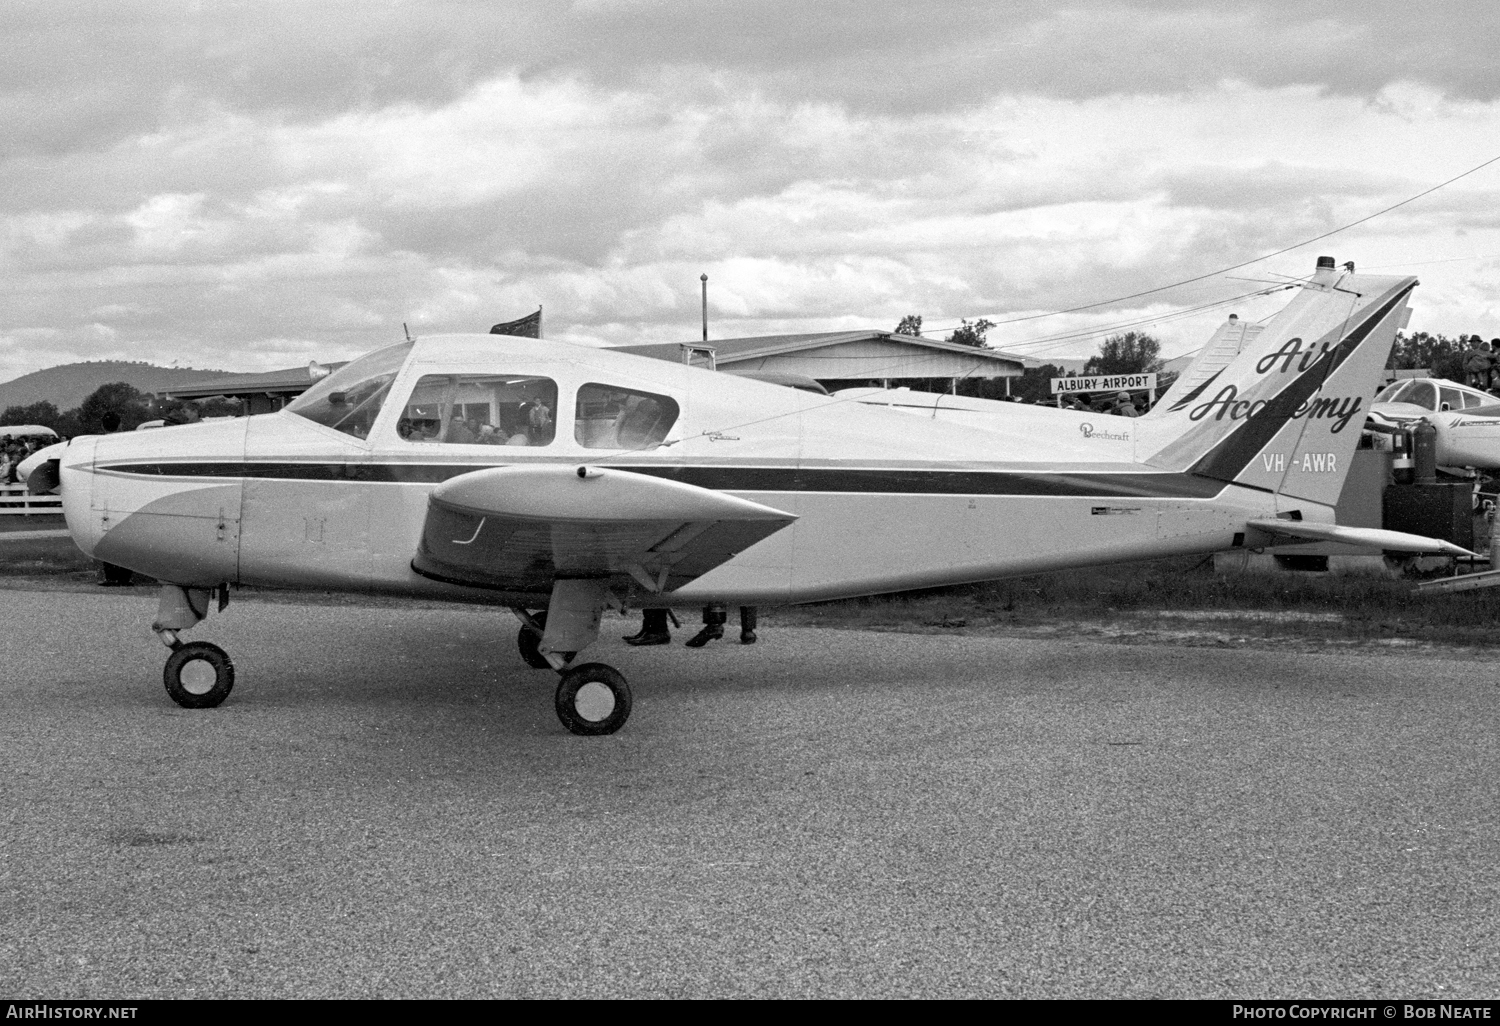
[14,500]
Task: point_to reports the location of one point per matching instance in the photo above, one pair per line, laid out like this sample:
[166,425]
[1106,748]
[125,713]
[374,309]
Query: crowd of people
[14,450]
[1121,404]
[1482,364]
[534,426]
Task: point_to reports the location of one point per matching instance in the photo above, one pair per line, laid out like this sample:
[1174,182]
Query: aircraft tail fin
[1284,413]
[1217,353]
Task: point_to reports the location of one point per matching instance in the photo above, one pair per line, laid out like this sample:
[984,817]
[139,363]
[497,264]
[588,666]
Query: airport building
[847,359]
[835,359]
[261,393]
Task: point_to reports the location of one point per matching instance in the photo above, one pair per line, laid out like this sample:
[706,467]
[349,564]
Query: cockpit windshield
[350,399]
[1421,393]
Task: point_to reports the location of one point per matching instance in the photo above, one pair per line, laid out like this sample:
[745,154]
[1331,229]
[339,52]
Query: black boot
[747,625]
[713,632]
[713,626]
[653,629]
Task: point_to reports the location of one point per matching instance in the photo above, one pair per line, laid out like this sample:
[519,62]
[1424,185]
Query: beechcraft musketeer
[561,481]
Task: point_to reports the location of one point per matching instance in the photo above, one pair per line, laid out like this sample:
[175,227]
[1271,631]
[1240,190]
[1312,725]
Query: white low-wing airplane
[560,481]
[1467,419]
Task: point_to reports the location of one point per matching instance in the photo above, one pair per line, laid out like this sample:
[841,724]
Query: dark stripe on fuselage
[740,479]
[936,482]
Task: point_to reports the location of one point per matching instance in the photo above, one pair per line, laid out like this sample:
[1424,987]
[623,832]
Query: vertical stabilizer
[1217,353]
[1284,415]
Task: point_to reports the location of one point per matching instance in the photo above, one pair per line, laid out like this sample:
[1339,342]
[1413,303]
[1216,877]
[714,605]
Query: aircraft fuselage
[884,501]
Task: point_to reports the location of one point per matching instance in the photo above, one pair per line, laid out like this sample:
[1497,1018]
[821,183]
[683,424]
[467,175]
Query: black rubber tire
[527,641]
[194,652]
[575,680]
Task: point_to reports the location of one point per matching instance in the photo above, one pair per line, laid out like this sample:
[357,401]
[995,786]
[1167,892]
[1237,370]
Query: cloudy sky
[250,185]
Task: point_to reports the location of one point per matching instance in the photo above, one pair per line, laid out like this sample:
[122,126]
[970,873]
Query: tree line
[125,401]
[1135,352]
[1130,352]
[1441,355]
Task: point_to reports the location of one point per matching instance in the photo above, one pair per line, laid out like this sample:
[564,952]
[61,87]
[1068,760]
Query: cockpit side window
[350,398]
[612,417]
[481,409]
[1452,399]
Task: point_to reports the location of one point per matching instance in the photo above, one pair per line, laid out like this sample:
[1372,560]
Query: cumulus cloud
[254,186]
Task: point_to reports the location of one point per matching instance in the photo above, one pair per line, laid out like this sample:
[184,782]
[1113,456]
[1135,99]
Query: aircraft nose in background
[38,461]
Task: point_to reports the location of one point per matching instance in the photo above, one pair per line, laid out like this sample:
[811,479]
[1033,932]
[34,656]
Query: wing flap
[1367,537]
[521,528]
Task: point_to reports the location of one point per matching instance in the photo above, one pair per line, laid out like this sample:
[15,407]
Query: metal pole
[704,279]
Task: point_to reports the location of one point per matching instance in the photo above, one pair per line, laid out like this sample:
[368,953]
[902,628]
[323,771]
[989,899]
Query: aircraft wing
[522,528]
[1368,537]
[1386,423]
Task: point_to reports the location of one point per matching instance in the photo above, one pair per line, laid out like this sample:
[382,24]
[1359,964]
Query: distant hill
[68,385]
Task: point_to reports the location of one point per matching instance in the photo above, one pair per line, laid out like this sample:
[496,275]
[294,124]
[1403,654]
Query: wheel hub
[594,702]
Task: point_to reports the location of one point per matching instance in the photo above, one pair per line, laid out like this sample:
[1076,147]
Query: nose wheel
[593,699]
[198,675]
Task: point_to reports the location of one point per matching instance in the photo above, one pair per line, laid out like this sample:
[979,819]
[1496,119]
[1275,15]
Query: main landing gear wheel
[593,699]
[527,641]
[198,675]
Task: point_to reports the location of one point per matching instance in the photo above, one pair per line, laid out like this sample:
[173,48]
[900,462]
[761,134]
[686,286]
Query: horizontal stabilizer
[521,528]
[1366,537]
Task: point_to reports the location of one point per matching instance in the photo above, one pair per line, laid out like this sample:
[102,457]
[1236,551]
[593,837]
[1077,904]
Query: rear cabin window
[611,417]
[480,409]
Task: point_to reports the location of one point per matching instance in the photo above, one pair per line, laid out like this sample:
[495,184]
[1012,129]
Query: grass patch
[1354,606]
[43,557]
[1165,595]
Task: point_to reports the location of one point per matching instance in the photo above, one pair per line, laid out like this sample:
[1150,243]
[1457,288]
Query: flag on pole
[529,326]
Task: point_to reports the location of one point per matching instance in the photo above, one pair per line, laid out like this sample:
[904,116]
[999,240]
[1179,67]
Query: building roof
[289,382]
[727,352]
[734,350]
